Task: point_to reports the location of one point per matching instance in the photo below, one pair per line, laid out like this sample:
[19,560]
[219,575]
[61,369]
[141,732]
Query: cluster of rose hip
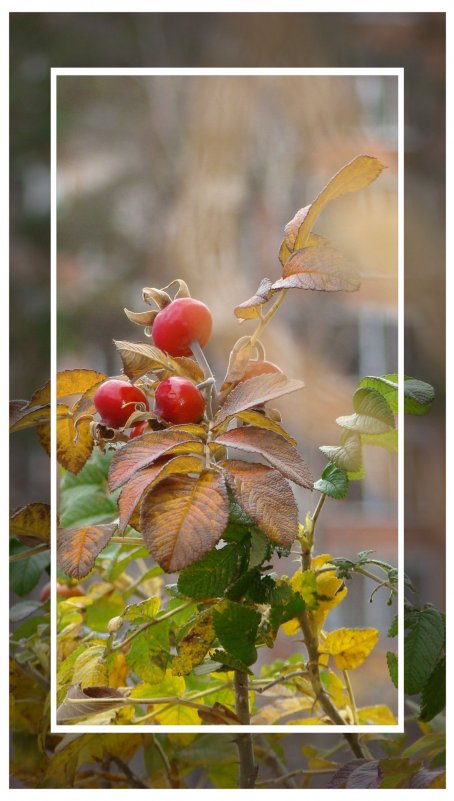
[176,329]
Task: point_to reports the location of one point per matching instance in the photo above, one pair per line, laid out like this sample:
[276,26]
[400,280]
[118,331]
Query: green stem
[17,557]
[351,696]
[268,316]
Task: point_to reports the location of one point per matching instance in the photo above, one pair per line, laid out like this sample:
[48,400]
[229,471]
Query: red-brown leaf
[182,518]
[143,452]
[134,489]
[274,448]
[77,549]
[322,268]
[266,497]
[256,390]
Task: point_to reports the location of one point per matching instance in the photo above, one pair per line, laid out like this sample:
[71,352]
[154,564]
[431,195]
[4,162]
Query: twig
[128,540]
[377,579]
[279,680]
[272,760]
[164,759]
[134,781]
[244,743]
[351,696]
[298,772]
[122,643]
[16,557]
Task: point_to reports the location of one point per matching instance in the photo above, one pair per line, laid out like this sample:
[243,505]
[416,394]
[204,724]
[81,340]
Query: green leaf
[236,628]
[389,440]
[347,455]
[259,550]
[433,695]
[142,611]
[98,614]
[372,413]
[93,473]
[84,506]
[211,575]
[393,629]
[424,637]
[25,574]
[285,604]
[418,395]
[391,659]
[23,609]
[149,653]
[229,661]
[334,482]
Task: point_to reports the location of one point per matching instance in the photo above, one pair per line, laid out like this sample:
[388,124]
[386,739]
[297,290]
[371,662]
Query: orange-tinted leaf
[139,358]
[322,268]
[182,518]
[239,357]
[31,524]
[263,421]
[219,713]
[143,451]
[78,548]
[188,368]
[27,416]
[274,448]
[73,447]
[133,490]
[266,497]
[250,309]
[291,233]
[355,175]
[69,382]
[254,391]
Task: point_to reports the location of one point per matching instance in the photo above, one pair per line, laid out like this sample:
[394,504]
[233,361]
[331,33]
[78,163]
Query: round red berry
[177,400]
[183,321]
[116,400]
[138,429]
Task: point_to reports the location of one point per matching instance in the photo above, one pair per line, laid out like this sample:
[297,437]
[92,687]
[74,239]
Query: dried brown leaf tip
[251,309]
[321,268]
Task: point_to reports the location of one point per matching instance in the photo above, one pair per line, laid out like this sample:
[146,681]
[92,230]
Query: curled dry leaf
[182,288]
[136,486]
[239,357]
[145,450]
[182,518]
[291,233]
[250,309]
[320,267]
[139,358]
[81,703]
[219,713]
[151,294]
[26,416]
[77,549]
[254,391]
[74,446]
[31,524]
[266,497]
[145,318]
[274,448]
[184,366]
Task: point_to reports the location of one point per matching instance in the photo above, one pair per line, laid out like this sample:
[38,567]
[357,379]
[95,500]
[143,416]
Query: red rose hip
[138,429]
[177,400]
[183,321]
[116,400]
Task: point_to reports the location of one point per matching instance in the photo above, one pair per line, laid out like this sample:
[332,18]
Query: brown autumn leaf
[152,295]
[184,366]
[77,548]
[239,357]
[136,486]
[145,318]
[320,267]
[352,177]
[250,309]
[182,518]
[69,382]
[219,713]
[254,391]
[143,451]
[266,497]
[274,448]
[27,416]
[31,524]
[81,703]
[254,418]
[290,234]
[139,358]
[73,446]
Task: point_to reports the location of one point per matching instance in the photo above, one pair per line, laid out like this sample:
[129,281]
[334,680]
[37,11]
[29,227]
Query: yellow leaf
[379,714]
[194,646]
[73,447]
[119,671]
[31,524]
[350,647]
[178,714]
[90,668]
[281,708]
[291,627]
[335,688]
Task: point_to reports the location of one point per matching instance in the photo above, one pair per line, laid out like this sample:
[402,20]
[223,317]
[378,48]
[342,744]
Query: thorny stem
[170,613]
[351,696]
[311,642]
[29,552]
[244,743]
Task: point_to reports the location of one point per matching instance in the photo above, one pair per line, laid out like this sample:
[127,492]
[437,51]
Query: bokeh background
[135,235]
[195,177]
